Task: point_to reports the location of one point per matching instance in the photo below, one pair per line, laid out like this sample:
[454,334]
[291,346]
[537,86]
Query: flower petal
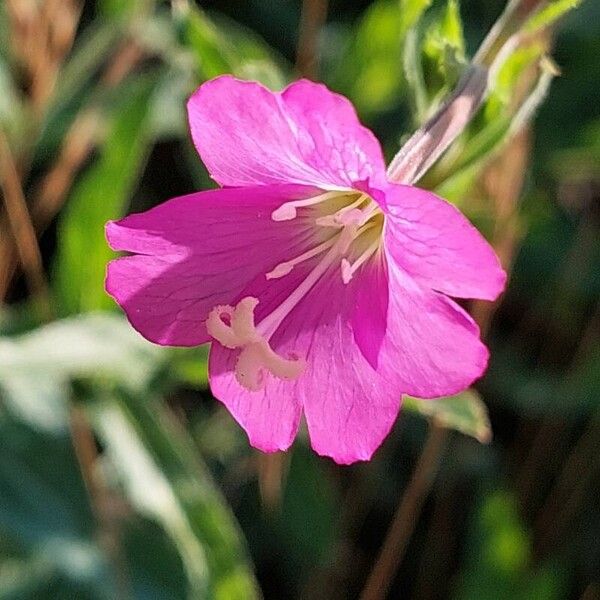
[338,145]
[370,311]
[248,135]
[349,406]
[432,346]
[270,416]
[198,251]
[435,244]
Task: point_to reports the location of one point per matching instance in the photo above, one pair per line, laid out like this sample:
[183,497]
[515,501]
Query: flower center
[349,225]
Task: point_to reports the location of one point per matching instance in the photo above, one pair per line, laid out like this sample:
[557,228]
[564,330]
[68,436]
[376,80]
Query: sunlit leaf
[444,44]
[99,195]
[152,453]
[464,412]
[189,366]
[226,48]
[413,73]
[254,58]
[411,11]
[549,14]
[210,50]
[36,368]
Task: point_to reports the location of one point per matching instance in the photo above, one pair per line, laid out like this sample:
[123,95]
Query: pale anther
[287,211]
[285,267]
[348,269]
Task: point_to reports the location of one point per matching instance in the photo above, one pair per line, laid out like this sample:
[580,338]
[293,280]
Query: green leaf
[189,366]
[211,52]
[413,73]
[150,452]
[36,368]
[49,542]
[444,44]
[548,15]
[92,48]
[464,412]
[44,511]
[254,58]
[412,11]
[99,195]
[119,10]
[227,48]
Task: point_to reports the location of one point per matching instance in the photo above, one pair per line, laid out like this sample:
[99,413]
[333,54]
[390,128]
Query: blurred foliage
[101,194]
[499,562]
[120,476]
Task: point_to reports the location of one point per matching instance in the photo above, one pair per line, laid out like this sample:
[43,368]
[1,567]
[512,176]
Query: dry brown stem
[314,14]
[22,229]
[406,517]
[50,194]
[104,505]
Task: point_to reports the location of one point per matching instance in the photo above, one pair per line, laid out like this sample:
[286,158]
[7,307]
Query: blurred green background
[121,477]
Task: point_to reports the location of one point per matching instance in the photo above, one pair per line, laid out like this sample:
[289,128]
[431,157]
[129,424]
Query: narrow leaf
[164,478]
[411,11]
[99,195]
[549,14]
[37,367]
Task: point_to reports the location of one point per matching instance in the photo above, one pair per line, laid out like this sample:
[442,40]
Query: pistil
[256,354]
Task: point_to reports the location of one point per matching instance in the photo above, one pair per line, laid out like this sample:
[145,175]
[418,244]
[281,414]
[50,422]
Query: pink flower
[323,287]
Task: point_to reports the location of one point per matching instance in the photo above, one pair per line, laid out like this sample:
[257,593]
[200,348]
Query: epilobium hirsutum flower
[323,287]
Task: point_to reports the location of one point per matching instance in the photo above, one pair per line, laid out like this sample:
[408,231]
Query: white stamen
[219,330]
[348,269]
[287,211]
[242,320]
[269,325]
[285,267]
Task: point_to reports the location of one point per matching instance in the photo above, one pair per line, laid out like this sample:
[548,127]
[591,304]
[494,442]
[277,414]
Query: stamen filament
[234,327]
[287,211]
[348,269]
[285,267]
[269,324]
